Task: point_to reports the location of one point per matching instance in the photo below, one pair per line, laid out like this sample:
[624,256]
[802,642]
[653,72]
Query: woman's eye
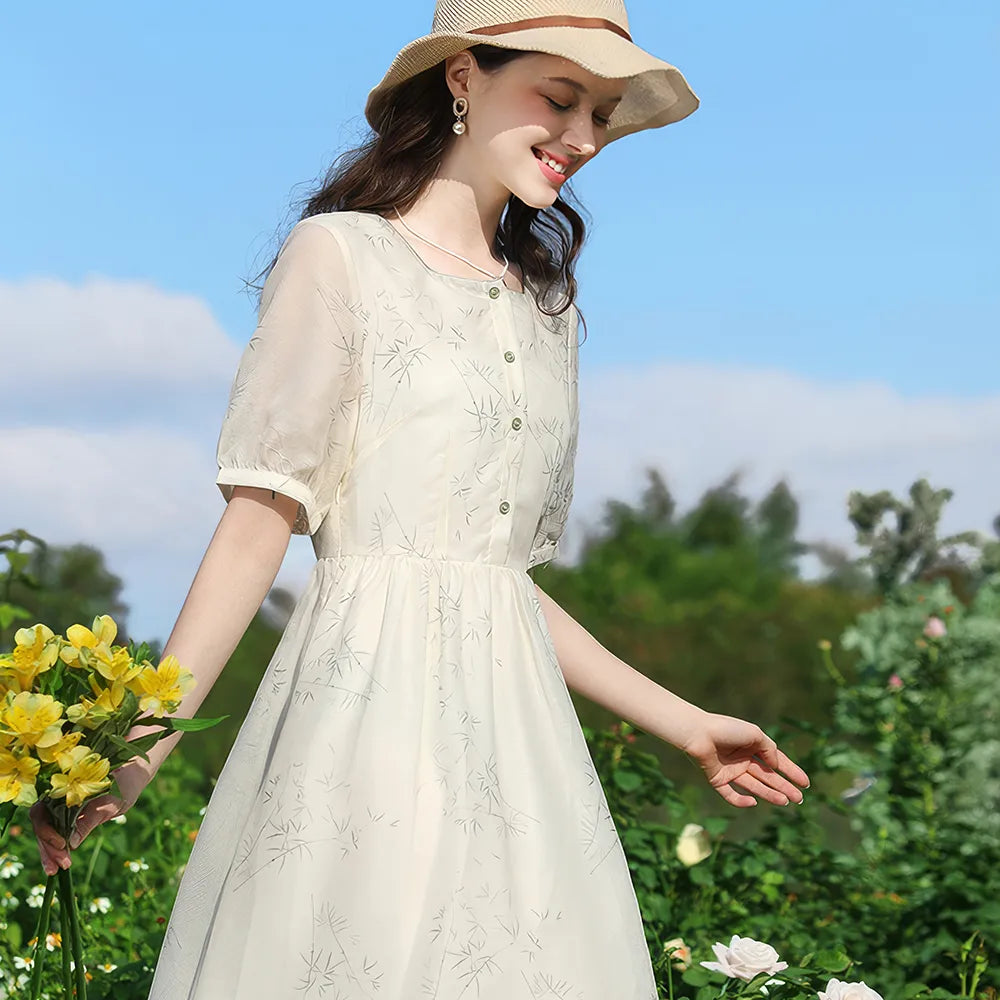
[600,119]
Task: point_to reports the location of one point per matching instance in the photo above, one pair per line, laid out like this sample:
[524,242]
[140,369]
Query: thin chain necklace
[495,277]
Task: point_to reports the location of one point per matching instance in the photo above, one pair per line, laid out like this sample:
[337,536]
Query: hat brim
[656,94]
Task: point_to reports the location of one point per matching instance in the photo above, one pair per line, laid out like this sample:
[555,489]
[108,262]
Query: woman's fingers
[763,791]
[770,777]
[51,846]
[792,770]
[734,797]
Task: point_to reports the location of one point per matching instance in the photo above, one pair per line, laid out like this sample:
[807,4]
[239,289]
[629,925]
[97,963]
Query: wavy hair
[411,132]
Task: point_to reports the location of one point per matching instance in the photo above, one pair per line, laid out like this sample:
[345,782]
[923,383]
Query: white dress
[410,810]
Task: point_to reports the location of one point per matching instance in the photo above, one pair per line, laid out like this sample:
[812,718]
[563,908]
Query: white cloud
[697,423]
[113,443]
[105,353]
[109,433]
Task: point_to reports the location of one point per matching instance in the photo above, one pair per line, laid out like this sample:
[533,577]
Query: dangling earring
[461,108]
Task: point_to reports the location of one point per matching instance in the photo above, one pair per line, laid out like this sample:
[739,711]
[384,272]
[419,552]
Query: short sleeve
[292,408]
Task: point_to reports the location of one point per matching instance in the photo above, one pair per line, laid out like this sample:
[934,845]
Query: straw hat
[592,33]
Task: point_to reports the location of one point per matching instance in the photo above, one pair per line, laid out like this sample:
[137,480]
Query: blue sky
[827,219]
[831,208]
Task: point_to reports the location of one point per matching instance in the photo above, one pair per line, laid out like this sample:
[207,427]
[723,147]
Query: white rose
[746,958]
[680,953]
[836,990]
[693,845]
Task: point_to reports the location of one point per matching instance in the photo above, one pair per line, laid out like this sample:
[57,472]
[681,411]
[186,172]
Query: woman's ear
[457,69]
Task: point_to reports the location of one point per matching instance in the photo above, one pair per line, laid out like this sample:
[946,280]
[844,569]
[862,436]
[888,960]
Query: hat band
[558,21]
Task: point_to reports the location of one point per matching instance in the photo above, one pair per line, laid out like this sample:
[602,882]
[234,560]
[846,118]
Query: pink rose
[679,952]
[935,628]
[895,682]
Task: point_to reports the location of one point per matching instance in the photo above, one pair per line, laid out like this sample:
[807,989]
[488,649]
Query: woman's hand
[741,761]
[55,854]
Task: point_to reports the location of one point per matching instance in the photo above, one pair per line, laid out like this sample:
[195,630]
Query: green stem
[41,933]
[831,669]
[66,884]
[67,938]
[93,860]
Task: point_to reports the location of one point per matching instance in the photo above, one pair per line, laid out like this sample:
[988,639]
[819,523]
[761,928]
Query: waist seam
[373,556]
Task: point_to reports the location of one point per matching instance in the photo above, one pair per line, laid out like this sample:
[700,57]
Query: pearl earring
[461,107]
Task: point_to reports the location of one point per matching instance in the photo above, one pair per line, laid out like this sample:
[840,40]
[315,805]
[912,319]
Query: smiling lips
[552,168]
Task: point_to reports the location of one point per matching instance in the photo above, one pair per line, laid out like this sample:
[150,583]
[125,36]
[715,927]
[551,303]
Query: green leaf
[831,961]
[192,725]
[715,825]
[11,612]
[136,747]
[7,810]
[701,874]
[696,976]
[627,781]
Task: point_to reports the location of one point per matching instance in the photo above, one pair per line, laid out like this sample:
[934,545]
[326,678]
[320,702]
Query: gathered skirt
[410,810]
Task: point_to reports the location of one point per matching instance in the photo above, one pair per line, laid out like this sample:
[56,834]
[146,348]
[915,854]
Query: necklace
[495,277]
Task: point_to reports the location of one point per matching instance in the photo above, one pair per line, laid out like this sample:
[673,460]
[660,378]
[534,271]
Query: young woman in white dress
[410,809]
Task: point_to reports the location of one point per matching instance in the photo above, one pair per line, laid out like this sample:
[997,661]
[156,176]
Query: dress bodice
[410,411]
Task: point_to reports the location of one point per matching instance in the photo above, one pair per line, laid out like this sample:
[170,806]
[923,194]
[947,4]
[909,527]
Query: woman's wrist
[132,777]
[685,723]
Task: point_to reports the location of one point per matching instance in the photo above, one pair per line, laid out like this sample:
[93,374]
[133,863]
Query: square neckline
[479,283]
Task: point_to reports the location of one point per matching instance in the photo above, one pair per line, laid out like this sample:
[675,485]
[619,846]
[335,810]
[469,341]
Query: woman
[410,808]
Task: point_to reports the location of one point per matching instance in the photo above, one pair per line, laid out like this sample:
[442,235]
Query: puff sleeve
[293,404]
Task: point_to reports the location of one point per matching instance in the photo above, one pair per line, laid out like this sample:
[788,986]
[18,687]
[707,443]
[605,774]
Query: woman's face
[536,106]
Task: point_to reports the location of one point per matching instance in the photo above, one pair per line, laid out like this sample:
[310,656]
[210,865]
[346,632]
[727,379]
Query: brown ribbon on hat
[557,21]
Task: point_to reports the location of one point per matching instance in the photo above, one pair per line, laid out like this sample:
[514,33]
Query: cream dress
[410,810]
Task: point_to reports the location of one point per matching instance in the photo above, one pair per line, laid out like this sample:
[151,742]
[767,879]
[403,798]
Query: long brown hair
[412,130]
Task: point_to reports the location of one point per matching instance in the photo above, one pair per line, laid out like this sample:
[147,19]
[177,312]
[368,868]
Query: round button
[504,506]
[516,423]
[494,292]
[508,355]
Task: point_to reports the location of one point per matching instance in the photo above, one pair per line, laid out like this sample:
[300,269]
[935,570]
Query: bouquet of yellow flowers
[67,705]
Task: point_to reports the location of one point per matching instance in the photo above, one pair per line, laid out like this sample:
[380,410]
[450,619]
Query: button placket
[505,318]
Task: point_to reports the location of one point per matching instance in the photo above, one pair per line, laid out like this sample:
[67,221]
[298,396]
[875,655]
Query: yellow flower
[83,645]
[34,720]
[119,668]
[36,649]
[17,778]
[162,688]
[91,712]
[86,776]
[54,754]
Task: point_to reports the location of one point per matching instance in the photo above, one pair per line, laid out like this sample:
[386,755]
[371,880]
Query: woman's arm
[236,572]
[235,575]
[738,758]
[595,672]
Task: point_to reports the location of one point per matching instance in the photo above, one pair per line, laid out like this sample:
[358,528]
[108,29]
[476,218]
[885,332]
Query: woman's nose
[581,138]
